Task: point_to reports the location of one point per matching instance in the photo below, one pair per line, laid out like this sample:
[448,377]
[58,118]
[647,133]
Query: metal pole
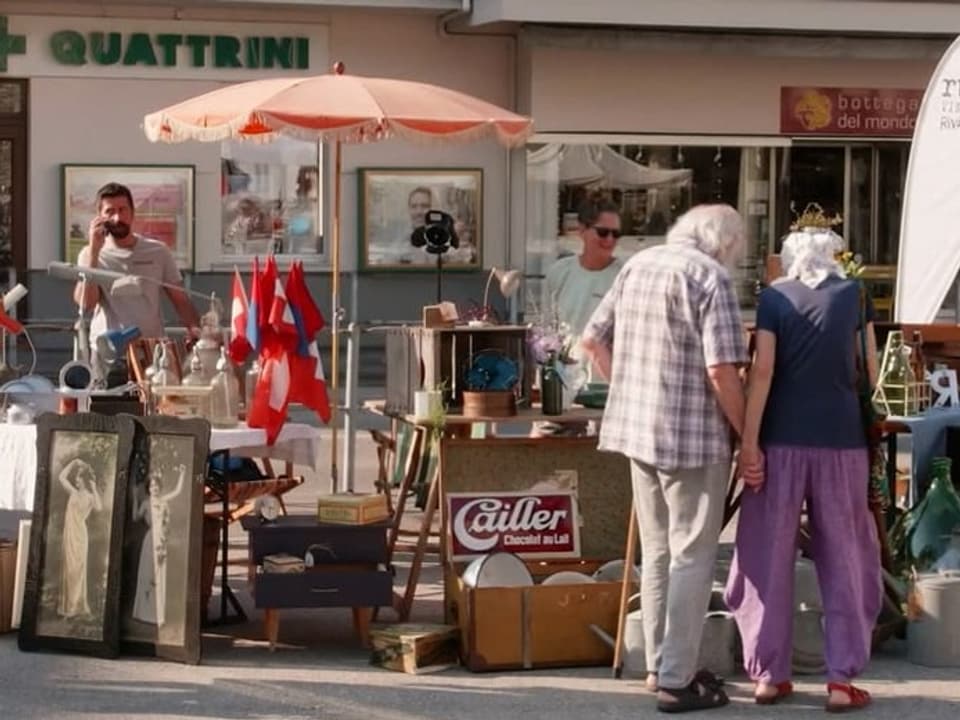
[350,404]
[335,309]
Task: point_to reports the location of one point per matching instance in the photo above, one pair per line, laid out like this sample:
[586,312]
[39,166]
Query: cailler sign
[529,524]
[887,112]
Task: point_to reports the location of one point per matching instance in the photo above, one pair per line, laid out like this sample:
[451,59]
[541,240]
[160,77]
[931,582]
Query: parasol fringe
[164,128]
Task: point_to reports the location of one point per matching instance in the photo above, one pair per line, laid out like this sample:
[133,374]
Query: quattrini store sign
[33,46]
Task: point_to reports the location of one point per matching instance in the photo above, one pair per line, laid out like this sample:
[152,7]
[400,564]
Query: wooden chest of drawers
[348,568]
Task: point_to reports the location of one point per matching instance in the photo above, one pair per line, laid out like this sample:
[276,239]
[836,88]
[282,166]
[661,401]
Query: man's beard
[119,230]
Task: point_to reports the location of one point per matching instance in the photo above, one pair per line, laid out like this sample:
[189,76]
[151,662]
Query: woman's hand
[752,466]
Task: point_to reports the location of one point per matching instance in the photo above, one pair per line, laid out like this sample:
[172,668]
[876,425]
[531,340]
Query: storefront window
[653,185]
[272,199]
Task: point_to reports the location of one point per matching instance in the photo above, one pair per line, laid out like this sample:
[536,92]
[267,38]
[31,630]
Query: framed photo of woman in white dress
[72,592]
[160,595]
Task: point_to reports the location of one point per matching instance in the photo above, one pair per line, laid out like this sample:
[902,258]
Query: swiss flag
[268,410]
[239,346]
[281,316]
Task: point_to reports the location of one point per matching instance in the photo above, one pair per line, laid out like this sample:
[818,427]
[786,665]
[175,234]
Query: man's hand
[95,238]
[752,467]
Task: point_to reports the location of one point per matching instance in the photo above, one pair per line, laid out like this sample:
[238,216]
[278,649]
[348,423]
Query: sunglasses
[604,232]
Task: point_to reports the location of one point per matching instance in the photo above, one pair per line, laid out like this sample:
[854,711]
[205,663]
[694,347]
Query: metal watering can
[634,647]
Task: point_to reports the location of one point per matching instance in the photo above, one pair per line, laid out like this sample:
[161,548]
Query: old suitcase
[415,648]
[511,628]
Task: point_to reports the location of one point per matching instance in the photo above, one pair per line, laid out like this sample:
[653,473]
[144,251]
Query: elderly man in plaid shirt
[669,337]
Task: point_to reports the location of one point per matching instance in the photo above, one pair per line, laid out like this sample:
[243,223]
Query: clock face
[268,507]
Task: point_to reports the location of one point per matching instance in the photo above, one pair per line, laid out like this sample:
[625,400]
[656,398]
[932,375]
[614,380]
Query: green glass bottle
[927,527]
[551,388]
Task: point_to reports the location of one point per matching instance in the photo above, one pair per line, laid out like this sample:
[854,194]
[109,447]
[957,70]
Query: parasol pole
[335,309]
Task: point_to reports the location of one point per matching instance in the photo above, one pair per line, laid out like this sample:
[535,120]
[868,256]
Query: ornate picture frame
[163,198]
[72,594]
[393,202]
[160,609]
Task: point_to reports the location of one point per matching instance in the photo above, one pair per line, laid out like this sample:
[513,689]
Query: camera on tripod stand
[437,234]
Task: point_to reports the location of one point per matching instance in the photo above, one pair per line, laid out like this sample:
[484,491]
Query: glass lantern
[898,391]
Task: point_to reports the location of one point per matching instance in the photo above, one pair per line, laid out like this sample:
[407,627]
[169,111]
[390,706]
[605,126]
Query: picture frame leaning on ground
[160,609]
[72,593]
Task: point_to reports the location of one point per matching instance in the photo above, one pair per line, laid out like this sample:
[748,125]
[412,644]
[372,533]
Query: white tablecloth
[297,443]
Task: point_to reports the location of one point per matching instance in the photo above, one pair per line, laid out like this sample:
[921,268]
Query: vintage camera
[437,235]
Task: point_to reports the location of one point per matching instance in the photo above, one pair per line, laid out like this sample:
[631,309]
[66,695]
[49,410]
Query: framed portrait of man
[394,203]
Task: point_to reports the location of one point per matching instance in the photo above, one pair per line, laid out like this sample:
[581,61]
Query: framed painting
[72,594]
[162,545]
[163,199]
[395,203]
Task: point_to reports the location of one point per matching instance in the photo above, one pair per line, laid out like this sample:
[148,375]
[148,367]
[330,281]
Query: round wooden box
[489,403]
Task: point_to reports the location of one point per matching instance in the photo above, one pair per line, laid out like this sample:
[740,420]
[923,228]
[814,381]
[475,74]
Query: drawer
[326,588]
[338,543]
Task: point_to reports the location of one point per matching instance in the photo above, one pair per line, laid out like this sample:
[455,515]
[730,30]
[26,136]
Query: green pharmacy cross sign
[10,44]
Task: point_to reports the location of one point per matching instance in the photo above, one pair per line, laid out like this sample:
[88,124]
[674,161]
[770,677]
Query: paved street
[321,672]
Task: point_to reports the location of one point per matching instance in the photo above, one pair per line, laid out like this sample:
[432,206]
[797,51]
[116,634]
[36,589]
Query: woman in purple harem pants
[802,410]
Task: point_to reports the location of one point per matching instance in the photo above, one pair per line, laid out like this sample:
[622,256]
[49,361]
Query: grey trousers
[679,514]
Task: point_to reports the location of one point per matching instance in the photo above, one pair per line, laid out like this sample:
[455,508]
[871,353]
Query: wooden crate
[350,509]
[419,357]
[523,628]
[415,648]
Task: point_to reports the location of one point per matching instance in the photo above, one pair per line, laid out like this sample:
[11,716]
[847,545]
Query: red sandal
[784,690]
[859,699]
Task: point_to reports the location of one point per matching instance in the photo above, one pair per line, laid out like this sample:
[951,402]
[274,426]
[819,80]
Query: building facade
[769,105]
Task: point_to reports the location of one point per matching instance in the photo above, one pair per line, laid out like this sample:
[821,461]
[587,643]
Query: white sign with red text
[530,524]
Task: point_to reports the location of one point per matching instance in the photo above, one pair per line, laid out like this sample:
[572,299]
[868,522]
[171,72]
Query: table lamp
[509,281]
[113,343]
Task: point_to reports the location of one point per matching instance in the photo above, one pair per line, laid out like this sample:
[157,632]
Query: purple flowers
[550,343]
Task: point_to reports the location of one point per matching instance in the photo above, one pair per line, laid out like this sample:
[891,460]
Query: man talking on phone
[112,245]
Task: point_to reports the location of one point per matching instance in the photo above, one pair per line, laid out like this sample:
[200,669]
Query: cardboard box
[350,509]
[415,648]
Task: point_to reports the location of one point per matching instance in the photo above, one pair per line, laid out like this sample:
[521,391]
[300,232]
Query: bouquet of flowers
[551,344]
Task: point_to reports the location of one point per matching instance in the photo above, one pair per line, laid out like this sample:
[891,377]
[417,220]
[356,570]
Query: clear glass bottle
[225,396]
[167,374]
[250,384]
[195,377]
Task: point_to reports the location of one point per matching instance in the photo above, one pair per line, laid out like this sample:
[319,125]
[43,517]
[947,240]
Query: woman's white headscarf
[809,255]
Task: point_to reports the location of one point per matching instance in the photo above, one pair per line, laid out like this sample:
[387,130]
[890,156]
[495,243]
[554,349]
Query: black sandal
[701,694]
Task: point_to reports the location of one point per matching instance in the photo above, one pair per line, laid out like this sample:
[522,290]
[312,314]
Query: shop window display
[271,199]
[652,185]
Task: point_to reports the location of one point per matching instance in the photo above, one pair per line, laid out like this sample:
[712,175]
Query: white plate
[568,577]
[497,570]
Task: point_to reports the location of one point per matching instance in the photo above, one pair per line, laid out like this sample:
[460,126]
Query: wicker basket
[489,403]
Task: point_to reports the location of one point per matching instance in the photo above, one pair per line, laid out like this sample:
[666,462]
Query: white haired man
[669,337]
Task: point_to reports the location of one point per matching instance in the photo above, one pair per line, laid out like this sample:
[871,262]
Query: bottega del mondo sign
[530,524]
[86,43]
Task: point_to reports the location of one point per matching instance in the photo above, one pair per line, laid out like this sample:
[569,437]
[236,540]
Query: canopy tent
[929,257]
[602,165]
